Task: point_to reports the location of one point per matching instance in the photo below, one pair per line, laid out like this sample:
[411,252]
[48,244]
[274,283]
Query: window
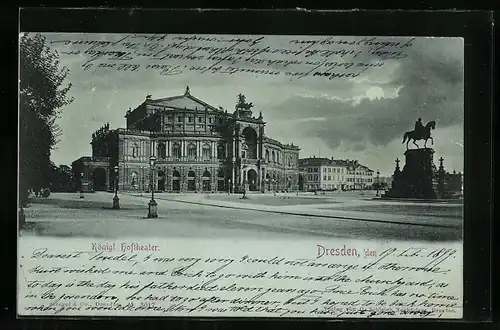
[206,151]
[210,120]
[243,154]
[329,178]
[221,151]
[200,126]
[190,119]
[267,156]
[324,169]
[191,151]
[170,118]
[161,151]
[179,119]
[176,150]
[135,150]
[273,156]
[200,119]
[324,177]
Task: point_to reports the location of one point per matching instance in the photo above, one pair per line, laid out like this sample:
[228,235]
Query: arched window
[221,151]
[249,144]
[162,151]
[191,151]
[206,151]
[267,156]
[134,179]
[273,156]
[135,150]
[176,150]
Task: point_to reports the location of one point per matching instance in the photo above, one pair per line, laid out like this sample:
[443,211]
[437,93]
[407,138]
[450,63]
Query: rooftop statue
[242,104]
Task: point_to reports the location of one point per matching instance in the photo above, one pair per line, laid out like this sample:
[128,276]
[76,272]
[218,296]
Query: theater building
[196,147]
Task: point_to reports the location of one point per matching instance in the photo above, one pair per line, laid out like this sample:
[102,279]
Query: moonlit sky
[362,118]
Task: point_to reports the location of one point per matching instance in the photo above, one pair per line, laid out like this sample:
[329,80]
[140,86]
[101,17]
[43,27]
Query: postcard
[240,176]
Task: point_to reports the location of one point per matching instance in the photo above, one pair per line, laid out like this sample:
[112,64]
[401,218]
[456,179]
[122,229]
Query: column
[233,174]
[183,148]
[198,149]
[214,150]
[259,179]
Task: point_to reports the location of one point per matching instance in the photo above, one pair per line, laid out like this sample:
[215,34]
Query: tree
[42,96]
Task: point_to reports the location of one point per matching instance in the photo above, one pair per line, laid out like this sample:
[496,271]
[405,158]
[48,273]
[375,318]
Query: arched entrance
[206,181]
[268,181]
[176,181]
[161,181]
[301,182]
[250,143]
[220,180]
[99,179]
[252,179]
[191,181]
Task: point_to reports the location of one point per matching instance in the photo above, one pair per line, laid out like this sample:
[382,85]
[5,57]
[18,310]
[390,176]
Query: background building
[333,174]
[197,146]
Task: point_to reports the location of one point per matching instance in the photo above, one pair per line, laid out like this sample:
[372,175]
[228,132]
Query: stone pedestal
[416,178]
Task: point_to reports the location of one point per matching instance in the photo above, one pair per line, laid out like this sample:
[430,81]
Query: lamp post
[229,186]
[378,182]
[81,185]
[116,199]
[142,175]
[152,206]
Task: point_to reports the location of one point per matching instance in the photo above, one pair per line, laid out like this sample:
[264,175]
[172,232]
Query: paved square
[259,217]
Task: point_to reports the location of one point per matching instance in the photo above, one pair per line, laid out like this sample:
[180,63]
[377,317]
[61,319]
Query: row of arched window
[191,151]
[275,157]
[176,174]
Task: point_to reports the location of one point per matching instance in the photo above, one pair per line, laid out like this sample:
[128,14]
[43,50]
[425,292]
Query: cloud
[332,117]
[430,86]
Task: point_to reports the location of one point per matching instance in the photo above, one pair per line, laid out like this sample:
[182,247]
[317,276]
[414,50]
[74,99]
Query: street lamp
[142,175]
[153,206]
[229,186]
[116,200]
[378,182]
[81,185]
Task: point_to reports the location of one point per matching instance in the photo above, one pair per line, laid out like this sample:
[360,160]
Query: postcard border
[475,27]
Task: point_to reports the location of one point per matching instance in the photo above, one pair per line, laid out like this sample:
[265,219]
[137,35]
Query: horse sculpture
[424,135]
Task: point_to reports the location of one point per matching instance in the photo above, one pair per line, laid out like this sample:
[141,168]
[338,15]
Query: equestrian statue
[420,132]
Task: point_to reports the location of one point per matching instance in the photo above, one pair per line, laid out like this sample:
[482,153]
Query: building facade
[196,147]
[333,174]
[359,177]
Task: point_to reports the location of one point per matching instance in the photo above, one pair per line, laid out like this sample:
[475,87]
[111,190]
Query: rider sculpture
[420,132]
[419,127]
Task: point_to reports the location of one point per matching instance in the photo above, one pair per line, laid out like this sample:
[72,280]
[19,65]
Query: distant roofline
[321,161]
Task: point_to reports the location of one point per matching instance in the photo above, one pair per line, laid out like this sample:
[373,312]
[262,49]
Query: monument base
[416,179]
